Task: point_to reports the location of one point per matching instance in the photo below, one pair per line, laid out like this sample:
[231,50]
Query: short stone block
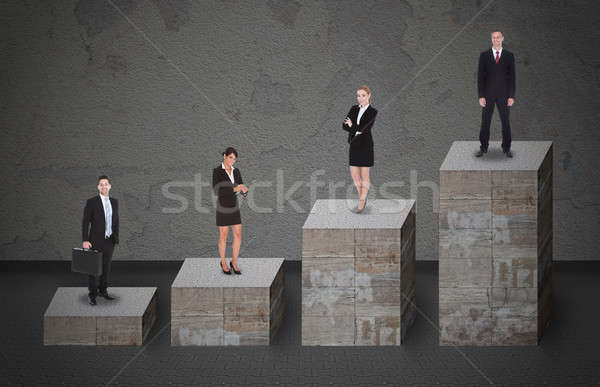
[209,307]
[358,273]
[495,244]
[126,320]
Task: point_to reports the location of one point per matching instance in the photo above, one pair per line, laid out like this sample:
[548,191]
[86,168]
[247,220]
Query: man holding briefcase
[102,213]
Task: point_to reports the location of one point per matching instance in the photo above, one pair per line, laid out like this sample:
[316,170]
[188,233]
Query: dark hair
[229,151]
[102,177]
[501,33]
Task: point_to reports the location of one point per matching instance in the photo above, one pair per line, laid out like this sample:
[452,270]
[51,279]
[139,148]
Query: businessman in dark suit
[496,86]
[100,231]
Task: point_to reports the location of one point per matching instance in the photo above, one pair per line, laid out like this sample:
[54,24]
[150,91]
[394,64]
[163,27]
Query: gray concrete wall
[151,94]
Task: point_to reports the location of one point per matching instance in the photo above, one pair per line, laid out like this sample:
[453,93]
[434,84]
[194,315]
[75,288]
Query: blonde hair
[365,88]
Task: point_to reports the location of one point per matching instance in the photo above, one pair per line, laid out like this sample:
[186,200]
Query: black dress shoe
[105,295]
[508,154]
[480,153]
[235,271]
[92,300]
[226,272]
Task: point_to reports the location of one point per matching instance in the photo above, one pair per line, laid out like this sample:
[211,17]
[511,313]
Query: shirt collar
[223,166]
[494,51]
[366,106]
[102,197]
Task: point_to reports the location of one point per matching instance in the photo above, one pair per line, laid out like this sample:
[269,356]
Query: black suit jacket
[223,187]
[93,214]
[496,80]
[366,123]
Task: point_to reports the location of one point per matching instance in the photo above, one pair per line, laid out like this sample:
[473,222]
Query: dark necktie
[497,57]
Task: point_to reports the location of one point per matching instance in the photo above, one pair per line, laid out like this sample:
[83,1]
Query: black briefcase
[86,261]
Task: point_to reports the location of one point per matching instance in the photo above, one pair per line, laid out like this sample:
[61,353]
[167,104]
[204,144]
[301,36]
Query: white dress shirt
[104,207]
[361,111]
[499,53]
[230,176]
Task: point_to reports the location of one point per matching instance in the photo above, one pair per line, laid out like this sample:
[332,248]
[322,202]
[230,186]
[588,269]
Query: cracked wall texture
[84,92]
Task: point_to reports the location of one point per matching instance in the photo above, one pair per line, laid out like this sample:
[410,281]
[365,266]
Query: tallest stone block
[495,244]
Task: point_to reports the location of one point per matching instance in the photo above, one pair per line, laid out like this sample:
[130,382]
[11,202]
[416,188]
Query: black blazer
[223,187]
[93,214]
[366,123]
[496,80]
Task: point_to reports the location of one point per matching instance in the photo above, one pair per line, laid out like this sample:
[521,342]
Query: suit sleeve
[85,226]
[219,187]
[115,219]
[512,75]
[240,181]
[481,74]
[346,127]
[365,125]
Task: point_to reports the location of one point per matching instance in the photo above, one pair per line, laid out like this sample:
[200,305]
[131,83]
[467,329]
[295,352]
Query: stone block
[353,282]
[495,279]
[126,320]
[212,308]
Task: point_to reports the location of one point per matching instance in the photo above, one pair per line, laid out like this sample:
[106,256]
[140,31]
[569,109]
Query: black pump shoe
[235,271]
[226,272]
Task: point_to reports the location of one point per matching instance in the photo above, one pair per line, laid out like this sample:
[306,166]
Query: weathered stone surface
[246,302]
[514,331]
[211,308]
[383,243]
[126,320]
[467,213]
[118,331]
[378,330]
[196,301]
[76,330]
[328,301]
[328,271]
[354,295]
[328,330]
[377,272]
[277,302]
[465,330]
[504,299]
[514,185]
[465,185]
[467,243]
[197,330]
[378,301]
[465,272]
[246,330]
[517,213]
[515,272]
[514,243]
[327,242]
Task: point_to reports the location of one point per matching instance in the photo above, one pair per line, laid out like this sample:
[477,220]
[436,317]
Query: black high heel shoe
[359,210]
[235,271]
[221,266]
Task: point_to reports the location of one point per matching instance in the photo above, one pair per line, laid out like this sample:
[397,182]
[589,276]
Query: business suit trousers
[107,253]
[486,120]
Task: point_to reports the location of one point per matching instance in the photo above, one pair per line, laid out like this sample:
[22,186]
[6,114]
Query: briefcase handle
[81,248]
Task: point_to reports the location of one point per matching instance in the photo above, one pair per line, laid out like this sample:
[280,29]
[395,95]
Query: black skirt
[361,152]
[228,216]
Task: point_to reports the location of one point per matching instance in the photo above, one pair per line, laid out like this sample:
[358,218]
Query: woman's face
[229,160]
[362,97]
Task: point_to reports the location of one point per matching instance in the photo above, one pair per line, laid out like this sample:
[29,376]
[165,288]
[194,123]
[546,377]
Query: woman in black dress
[358,124]
[227,181]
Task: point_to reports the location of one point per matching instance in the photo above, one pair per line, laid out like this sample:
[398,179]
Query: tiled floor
[567,355]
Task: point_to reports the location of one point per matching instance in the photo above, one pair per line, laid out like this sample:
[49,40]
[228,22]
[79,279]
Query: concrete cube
[209,307]
[358,273]
[495,244]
